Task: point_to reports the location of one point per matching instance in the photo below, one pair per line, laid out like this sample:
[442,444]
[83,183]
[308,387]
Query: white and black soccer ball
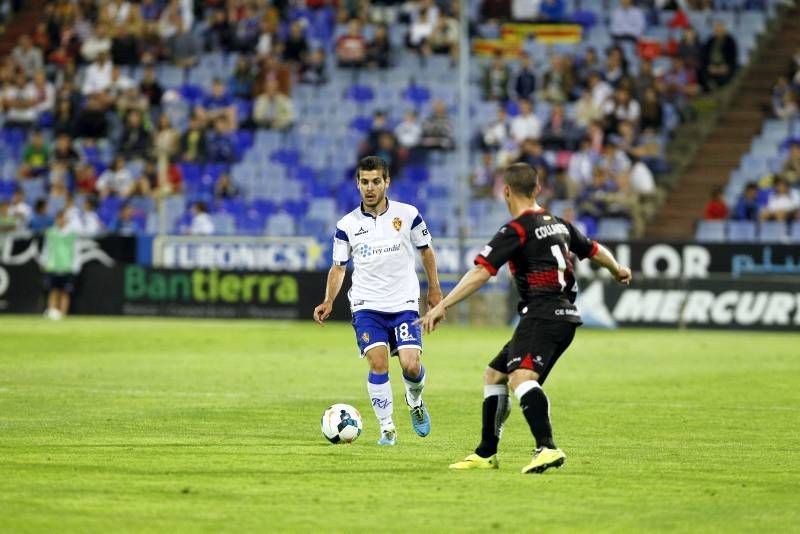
[341,423]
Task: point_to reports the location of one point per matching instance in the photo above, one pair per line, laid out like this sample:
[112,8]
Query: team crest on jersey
[397,223]
[365,337]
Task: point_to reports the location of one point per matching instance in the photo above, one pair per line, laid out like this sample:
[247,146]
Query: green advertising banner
[129,289]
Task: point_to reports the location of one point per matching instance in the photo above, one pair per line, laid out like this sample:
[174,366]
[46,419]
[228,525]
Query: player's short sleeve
[341,246]
[420,236]
[498,251]
[580,244]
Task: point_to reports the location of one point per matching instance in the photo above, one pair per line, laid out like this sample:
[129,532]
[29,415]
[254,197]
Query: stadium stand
[763,192]
[260,110]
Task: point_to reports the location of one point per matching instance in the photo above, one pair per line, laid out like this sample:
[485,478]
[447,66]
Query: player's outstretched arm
[332,288]
[469,284]
[606,259]
[434,289]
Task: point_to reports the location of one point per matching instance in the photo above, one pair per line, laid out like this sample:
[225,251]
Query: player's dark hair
[373,163]
[522,179]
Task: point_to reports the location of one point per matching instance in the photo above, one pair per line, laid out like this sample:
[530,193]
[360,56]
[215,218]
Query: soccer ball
[341,423]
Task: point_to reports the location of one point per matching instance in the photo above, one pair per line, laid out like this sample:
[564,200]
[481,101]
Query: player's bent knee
[378,358]
[519,376]
[493,376]
[410,362]
[379,367]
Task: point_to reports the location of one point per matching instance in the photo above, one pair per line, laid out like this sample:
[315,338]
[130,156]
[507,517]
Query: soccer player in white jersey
[382,237]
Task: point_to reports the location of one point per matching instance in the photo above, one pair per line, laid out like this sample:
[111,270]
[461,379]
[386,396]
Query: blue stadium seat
[557,207]
[305,174]
[417,95]
[585,18]
[416,173]
[7,188]
[295,208]
[142,204]
[742,231]
[360,93]
[244,109]
[319,228]
[436,226]
[361,124]
[281,224]
[436,192]
[613,229]
[169,76]
[288,157]
[233,206]
[710,232]
[33,189]
[151,223]
[244,141]
[191,93]
[263,207]
[773,232]
[794,234]
[224,224]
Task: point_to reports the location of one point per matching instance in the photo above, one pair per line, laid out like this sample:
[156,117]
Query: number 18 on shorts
[394,330]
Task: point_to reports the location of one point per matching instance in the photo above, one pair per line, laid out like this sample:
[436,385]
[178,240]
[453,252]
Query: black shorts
[535,345]
[63,282]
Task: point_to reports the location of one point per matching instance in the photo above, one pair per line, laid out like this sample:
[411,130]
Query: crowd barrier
[676,284]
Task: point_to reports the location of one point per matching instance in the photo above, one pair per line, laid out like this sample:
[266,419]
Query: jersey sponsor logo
[565,311]
[549,230]
[361,231]
[365,337]
[397,223]
[364,250]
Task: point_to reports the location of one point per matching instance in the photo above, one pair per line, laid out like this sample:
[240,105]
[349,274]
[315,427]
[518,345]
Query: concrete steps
[731,137]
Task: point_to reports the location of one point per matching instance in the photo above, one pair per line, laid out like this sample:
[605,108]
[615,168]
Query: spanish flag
[544,33]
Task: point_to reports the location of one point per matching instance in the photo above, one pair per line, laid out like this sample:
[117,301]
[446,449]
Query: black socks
[536,409]
[495,412]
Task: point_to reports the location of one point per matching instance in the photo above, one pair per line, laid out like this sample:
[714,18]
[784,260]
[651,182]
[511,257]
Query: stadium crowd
[773,195]
[88,115]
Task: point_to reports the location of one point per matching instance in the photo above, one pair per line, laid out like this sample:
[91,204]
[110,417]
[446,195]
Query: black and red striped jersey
[539,249]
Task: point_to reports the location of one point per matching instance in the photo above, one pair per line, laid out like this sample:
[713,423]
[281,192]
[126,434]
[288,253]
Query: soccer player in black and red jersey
[538,248]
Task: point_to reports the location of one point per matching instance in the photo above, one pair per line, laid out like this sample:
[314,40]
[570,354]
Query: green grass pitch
[110,425]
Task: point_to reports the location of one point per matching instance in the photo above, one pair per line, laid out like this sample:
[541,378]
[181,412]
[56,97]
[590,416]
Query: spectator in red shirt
[716,209]
[351,48]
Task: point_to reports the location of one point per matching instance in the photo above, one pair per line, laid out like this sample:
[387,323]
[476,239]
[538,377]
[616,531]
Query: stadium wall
[689,285]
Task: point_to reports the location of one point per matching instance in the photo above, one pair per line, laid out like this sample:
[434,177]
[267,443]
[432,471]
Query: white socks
[414,387]
[380,393]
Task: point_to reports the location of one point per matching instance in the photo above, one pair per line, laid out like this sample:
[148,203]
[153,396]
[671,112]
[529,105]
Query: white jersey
[383,250]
